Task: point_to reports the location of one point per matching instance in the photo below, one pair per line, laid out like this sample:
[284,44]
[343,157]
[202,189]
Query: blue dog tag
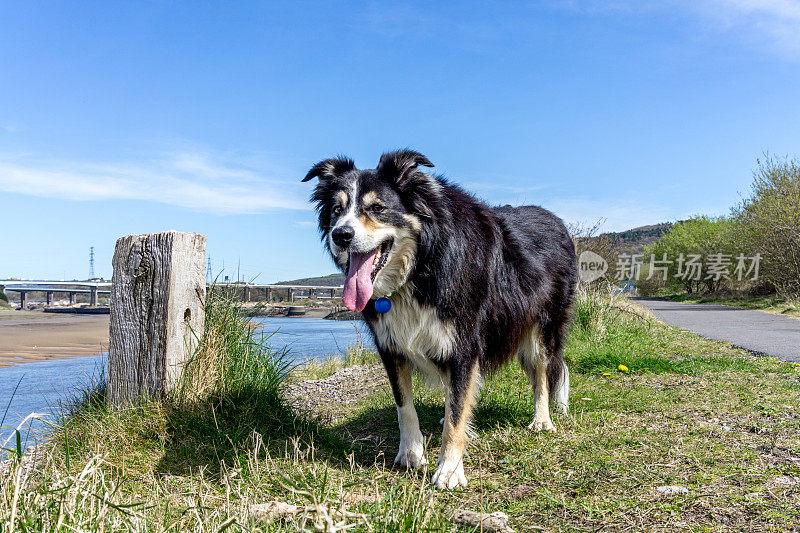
[383,304]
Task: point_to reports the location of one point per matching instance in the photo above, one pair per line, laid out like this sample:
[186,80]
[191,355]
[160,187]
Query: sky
[119,118]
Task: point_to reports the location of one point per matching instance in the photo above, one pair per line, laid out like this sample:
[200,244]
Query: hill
[331,279]
[634,240]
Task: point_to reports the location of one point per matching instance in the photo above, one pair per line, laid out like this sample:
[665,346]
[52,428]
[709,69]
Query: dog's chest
[415,331]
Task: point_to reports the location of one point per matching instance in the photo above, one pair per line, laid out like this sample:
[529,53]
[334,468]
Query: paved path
[757,331]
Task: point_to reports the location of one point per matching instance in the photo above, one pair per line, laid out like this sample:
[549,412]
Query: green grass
[689,412]
[772,304]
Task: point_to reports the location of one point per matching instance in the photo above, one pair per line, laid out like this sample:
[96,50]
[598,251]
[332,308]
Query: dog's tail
[558,377]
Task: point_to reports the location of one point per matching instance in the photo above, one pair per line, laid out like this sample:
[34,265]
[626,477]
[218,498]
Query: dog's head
[371,220]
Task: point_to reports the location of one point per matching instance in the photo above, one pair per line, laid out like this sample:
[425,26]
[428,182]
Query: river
[43,387]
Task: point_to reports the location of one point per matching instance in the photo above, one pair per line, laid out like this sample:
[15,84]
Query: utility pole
[91,262]
[209,275]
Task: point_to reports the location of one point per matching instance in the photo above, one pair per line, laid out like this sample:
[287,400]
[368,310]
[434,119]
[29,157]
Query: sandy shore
[29,336]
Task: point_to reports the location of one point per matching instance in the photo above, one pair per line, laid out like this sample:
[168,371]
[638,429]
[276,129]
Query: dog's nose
[343,236]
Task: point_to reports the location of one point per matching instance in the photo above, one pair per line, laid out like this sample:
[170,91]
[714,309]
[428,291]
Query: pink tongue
[358,285]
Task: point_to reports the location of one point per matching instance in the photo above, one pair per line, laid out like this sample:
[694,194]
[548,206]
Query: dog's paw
[449,475]
[411,456]
[542,425]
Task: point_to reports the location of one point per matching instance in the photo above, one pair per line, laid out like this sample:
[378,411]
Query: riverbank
[31,336]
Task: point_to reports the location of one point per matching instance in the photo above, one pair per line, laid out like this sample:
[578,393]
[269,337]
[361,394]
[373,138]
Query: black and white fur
[471,287]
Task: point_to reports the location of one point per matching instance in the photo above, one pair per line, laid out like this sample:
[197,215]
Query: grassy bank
[771,304]
[686,412]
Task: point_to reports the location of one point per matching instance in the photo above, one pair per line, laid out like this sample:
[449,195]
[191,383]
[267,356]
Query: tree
[697,241]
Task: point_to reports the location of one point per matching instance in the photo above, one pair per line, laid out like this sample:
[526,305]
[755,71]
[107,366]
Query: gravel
[344,386]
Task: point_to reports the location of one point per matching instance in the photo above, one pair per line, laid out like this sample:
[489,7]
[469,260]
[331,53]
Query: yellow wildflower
[623,368]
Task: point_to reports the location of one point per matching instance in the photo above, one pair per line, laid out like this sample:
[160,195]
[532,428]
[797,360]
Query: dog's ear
[397,166]
[330,168]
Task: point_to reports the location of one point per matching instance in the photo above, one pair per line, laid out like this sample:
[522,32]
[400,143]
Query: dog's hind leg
[557,372]
[560,392]
[533,358]
[462,391]
[412,444]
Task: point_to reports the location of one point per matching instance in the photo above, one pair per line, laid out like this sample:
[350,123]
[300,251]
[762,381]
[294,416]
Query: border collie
[470,287]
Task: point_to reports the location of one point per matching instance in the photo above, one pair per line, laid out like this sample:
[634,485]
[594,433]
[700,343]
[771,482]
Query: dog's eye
[378,208]
[337,210]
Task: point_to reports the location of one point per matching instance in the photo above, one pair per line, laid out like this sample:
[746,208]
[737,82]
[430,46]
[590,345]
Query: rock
[490,522]
[322,516]
[784,482]
[344,315]
[671,490]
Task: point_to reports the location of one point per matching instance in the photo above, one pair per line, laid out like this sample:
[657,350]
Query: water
[314,338]
[44,386]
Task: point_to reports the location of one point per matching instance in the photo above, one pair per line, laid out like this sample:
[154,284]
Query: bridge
[242,290]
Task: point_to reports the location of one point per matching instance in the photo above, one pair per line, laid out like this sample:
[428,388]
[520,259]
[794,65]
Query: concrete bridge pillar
[93,299]
[71,298]
[49,297]
[333,294]
[23,299]
[290,294]
[269,294]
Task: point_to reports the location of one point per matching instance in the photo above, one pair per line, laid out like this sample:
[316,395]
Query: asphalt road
[757,331]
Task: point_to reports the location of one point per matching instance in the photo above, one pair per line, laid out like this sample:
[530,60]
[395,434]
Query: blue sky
[135,117]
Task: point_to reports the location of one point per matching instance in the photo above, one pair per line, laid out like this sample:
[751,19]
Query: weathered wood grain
[157,297]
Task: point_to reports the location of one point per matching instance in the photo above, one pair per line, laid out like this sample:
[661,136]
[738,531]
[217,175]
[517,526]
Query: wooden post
[157,296]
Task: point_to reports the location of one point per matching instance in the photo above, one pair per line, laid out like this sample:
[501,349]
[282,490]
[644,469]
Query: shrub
[769,221]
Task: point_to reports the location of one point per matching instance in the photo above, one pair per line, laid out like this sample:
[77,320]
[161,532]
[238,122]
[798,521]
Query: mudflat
[29,336]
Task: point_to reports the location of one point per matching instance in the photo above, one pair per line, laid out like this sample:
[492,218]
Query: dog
[470,287]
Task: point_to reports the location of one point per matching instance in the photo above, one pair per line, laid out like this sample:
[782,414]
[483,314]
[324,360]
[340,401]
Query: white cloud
[777,21]
[771,23]
[192,179]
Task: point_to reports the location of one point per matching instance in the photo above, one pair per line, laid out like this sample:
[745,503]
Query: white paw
[449,475]
[542,425]
[412,454]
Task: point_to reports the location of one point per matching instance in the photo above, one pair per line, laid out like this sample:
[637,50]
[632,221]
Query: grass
[771,304]
[688,412]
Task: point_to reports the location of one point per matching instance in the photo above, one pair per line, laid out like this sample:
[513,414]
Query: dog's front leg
[412,444]
[462,391]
